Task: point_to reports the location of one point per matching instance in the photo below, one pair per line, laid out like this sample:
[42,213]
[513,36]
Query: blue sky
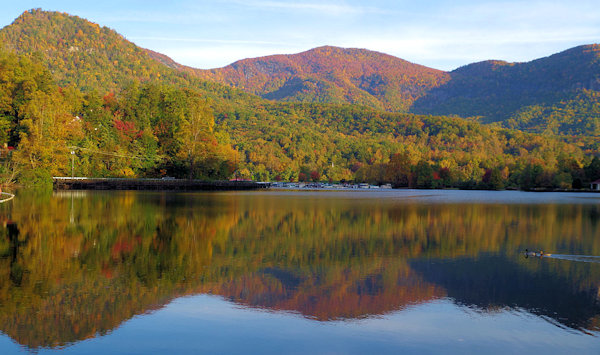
[440,34]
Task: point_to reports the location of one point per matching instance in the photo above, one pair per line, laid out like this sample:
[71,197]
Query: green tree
[530,176]
[592,170]
[423,173]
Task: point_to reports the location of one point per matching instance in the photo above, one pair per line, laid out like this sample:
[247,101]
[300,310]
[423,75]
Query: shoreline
[366,187]
[81,183]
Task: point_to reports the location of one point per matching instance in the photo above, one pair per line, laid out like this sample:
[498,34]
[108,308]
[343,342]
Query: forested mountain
[497,90]
[133,112]
[72,45]
[84,54]
[563,86]
[332,74]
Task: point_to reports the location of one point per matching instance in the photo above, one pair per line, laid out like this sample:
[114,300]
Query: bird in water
[532,253]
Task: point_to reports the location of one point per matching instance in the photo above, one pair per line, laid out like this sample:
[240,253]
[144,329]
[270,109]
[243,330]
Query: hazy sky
[440,34]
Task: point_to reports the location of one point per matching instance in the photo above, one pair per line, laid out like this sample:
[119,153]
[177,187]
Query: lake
[398,271]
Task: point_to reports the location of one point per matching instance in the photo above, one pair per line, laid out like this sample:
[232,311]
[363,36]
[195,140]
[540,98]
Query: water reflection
[559,292]
[77,265]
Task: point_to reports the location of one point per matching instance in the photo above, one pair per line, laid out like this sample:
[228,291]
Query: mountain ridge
[492,90]
[332,74]
[497,90]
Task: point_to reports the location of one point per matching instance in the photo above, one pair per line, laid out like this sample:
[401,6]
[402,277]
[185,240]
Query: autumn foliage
[136,113]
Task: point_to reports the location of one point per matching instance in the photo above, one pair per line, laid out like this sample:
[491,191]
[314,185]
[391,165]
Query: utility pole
[72,164]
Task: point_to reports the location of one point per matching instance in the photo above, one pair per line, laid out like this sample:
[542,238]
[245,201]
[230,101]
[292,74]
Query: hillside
[335,75]
[110,96]
[497,90]
[85,54]
[563,86]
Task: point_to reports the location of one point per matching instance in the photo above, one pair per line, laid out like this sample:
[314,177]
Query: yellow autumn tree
[44,131]
[196,135]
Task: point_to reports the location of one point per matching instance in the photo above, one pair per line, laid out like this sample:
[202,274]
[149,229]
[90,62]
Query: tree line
[146,131]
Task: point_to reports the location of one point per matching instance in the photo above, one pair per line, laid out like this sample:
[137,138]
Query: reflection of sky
[443,34]
[208,324]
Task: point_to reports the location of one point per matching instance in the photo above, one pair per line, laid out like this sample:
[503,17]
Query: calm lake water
[300,272]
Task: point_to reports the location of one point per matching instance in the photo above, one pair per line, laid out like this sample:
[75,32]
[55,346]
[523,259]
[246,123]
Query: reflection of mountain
[73,266]
[490,283]
[330,294]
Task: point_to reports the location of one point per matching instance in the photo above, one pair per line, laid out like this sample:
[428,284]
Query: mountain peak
[32,13]
[332,74]
[328,50]
[71,45]
[38,17]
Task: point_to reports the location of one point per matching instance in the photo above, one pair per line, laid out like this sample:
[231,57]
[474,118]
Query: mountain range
[492,90]
[328,113]
[557,94]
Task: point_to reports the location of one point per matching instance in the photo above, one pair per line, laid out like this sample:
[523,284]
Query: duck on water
[533,253]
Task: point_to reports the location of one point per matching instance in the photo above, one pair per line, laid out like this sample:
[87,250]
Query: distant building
[595,185]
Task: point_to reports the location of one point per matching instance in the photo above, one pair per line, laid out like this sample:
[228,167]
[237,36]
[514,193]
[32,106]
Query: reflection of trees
[76,266]
[494,282]
[123,256]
